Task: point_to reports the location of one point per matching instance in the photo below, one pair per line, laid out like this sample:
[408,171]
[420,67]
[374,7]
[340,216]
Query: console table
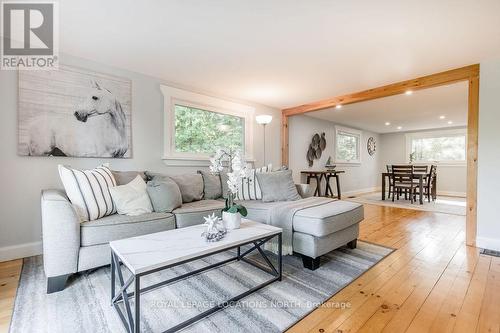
[327,175]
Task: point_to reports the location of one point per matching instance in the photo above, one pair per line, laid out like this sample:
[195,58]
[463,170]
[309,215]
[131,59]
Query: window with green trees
[347,146]
[201,131]
[439,148]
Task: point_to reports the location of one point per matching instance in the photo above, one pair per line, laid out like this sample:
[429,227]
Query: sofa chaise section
[316,230]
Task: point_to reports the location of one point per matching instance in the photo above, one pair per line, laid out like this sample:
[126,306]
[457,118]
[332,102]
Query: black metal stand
[132,322]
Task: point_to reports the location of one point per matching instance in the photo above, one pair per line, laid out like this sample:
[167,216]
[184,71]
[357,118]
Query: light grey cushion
[164,194]
[212,187]
[125,177]
[305,190]
[117,226]
[191,186]
[326,219]
[192,213]
[277,186]
[132,198]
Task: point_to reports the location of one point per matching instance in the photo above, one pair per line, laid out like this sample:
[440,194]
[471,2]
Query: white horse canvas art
[73,112]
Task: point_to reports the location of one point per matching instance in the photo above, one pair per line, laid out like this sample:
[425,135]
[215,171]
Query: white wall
[358,178]
[451,180]
[25,177]
[488,182]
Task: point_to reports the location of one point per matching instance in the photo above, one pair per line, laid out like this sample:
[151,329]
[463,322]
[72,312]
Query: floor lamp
[263,120]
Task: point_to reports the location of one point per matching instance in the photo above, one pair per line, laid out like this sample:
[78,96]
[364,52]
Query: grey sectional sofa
[70,247]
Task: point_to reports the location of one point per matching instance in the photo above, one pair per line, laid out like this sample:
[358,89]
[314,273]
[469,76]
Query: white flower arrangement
[237,171]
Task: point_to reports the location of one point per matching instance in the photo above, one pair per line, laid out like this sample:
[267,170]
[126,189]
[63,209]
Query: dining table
[421,177]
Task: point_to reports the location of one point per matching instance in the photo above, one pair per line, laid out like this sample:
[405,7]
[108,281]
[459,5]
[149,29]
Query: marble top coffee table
[151,253]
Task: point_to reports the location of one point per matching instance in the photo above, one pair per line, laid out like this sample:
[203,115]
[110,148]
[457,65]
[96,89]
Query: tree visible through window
[443,148]
[200,131]
[347,146]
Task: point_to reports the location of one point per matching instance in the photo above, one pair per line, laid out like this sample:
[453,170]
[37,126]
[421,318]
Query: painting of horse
[74,112]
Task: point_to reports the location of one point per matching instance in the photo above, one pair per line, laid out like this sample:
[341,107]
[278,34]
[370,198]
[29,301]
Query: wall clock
[371,145]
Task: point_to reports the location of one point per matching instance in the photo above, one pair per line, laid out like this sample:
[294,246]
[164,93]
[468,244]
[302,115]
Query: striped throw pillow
[249,189]
[88,191]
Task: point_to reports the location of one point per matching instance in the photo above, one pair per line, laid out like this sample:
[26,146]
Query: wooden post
[472,147]
[284,140]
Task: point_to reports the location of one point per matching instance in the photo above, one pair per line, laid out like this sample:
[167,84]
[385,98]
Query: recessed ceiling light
[450,122]
[387,123]
[339,106]
[399,127]
[408,92]
[442,117]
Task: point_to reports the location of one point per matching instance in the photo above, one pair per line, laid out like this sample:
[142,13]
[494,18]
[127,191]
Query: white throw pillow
[249,189]
[88,191]
[132,199]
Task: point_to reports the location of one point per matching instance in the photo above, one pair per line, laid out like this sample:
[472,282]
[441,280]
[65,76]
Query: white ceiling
[282,52]
[419,111]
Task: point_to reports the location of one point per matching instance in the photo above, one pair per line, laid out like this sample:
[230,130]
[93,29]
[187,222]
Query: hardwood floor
[431,283]
[9,278]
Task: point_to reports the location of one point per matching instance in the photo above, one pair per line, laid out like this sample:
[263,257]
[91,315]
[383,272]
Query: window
[347,145]
[196,125]
[202,131]
[440,147]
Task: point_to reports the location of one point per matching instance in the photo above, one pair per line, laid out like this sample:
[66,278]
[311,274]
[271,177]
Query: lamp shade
[264,119]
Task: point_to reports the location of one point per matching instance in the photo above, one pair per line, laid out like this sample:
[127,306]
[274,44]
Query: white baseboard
[488,243]
[20,251]
[360,191]
[452,194]
[378,189]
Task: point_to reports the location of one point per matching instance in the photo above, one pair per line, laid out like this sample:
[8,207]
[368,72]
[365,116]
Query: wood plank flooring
[431,283]
[9,279]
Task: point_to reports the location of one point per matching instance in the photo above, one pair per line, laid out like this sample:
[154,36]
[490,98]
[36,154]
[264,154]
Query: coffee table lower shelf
[132,322]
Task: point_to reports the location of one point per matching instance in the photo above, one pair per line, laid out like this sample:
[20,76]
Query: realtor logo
[29,35]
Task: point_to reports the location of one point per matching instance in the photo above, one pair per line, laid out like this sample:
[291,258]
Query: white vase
[231,220]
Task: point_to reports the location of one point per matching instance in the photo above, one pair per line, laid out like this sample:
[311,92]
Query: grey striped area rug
[84,306]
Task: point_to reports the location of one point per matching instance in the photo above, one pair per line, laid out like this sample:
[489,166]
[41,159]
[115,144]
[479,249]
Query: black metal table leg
[280,257]
[113,278]
[137,296]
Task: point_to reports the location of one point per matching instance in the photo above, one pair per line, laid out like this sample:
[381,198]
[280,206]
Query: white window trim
[172,96]
[353,132]
[436,134]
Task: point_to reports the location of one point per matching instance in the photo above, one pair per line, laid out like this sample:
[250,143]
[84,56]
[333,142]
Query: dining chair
[391,182]
[420,168]
[430,183]
[402,176]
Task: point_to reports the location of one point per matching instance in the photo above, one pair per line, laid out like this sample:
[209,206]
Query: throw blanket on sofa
[282,217]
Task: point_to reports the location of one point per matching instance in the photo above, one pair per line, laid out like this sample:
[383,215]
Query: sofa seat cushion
[327,219]
[114,227]
[192,213]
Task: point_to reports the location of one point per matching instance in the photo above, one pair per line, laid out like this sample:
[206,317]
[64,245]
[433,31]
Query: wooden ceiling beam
[424,82]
